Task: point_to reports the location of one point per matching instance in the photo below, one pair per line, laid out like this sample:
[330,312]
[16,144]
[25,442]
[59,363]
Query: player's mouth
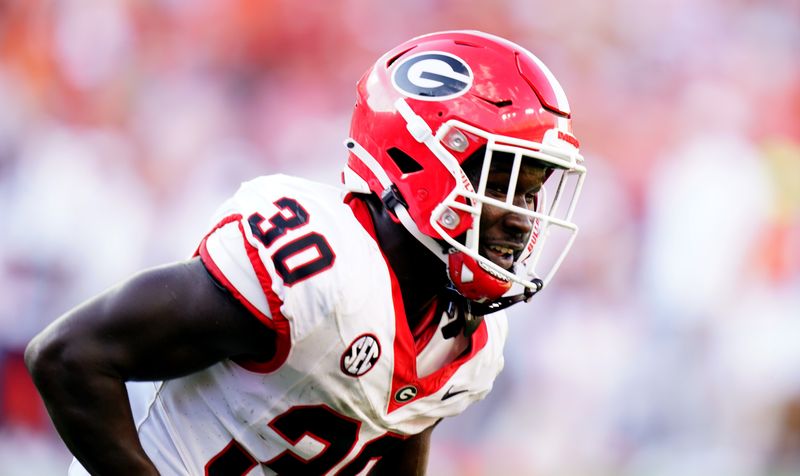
[501,255]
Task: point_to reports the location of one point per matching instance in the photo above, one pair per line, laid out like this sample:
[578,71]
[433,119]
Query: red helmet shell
[475,78]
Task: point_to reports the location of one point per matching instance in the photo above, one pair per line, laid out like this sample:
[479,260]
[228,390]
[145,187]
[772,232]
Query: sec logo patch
[361,355]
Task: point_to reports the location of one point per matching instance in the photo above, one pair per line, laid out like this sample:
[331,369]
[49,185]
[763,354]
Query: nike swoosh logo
[449,393]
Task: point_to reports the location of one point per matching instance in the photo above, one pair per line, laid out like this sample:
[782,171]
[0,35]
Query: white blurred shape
[707,206]
[93,40]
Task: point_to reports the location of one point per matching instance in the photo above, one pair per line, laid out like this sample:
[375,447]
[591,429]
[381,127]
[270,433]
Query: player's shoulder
[497,325]
[288,202]
[491,358]
[295,245]
[285,214]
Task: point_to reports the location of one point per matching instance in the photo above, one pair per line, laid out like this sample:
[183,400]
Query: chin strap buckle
[460,310]
[472,312]
[391,198]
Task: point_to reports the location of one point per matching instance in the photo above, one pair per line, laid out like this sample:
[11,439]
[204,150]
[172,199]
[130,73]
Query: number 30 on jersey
[300,258]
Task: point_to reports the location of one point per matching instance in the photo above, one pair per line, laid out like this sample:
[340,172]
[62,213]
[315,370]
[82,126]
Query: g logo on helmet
[432,76]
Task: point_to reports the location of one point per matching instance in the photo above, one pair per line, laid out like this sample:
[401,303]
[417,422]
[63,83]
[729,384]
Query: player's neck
[421,275]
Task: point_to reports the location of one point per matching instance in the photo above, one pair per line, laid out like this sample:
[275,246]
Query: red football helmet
[426,106]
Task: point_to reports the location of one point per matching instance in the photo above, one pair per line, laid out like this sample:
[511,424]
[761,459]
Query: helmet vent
[404,162]
[398,55]
[501,103]
[467,43]
[547,94]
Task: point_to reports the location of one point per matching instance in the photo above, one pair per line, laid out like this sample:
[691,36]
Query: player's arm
[159,324]
[410,457]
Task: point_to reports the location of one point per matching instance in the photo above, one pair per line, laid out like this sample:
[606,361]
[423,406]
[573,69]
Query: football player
[326,330]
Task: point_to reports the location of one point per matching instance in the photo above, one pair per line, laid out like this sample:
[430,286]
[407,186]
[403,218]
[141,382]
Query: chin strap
[473,311]
[507,301]
[394,202]
[390,197]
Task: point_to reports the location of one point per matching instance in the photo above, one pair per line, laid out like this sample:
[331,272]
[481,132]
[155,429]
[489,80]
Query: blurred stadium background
[668,345]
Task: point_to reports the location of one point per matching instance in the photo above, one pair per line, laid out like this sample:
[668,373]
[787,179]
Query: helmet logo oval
[432,76]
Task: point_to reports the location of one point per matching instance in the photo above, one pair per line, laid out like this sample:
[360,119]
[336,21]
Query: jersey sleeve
[228,257]
[267,250]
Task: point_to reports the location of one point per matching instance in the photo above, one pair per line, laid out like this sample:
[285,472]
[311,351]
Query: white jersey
[348,379]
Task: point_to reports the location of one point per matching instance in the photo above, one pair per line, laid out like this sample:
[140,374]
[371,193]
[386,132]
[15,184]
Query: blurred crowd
[667,344]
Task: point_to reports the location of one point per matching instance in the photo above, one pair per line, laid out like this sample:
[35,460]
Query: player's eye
[498,194]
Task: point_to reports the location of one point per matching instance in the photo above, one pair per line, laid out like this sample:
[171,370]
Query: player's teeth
[502,250]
